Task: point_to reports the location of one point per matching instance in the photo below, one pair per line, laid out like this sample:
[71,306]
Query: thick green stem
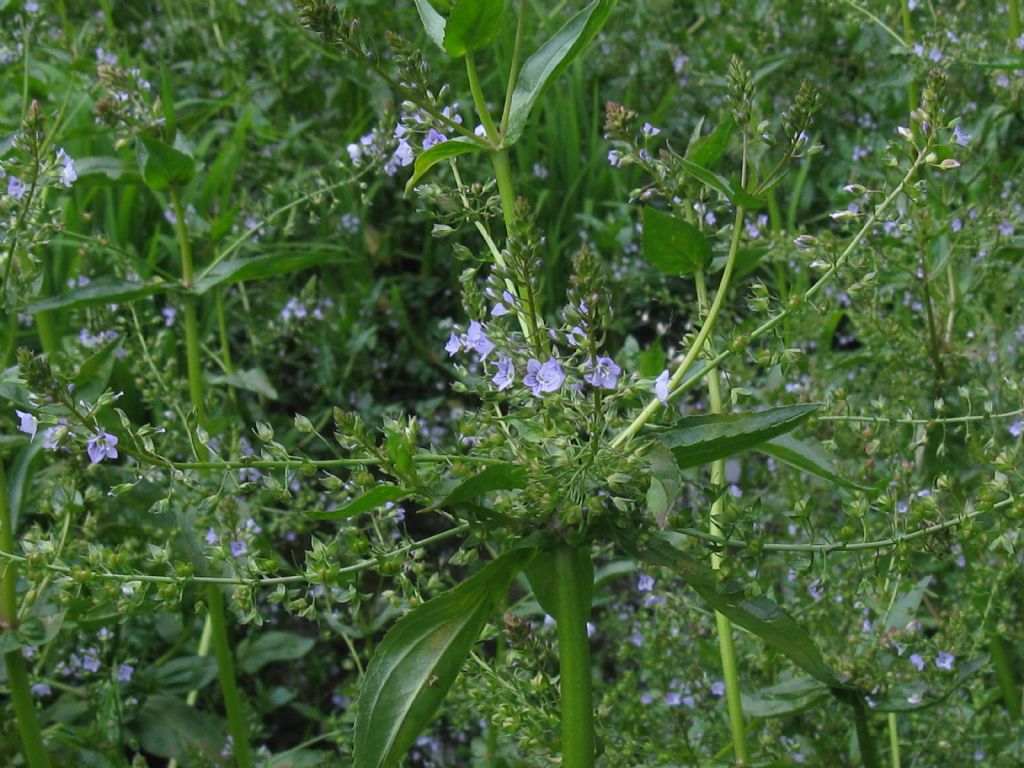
[216,622]
[1004,674]
[17,675]
[513,70]
[226,674]
[865,739]
[894,742]
[726,649]
[577,703]
[1013,9]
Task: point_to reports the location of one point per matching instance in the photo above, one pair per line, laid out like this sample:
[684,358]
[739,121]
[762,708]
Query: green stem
[724,626]
[215,614]
[226,673]
[865,739]
[195,370]
[1004,674]
[698,344]
[894,742]
[513,70]
[17,674]
[577,698]
[1014,10]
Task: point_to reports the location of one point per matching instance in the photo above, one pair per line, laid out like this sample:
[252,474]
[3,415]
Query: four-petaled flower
[945,661]
[661,387]
[29,423]
[476,340]
[543,377]
[506,373]
[101,446]
[16,187]
[604,373]
[68,174]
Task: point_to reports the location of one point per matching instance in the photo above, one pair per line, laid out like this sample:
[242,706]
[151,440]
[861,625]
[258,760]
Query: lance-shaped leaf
[373,498]
[792,695]
[758,615]
[460,145]
[259,268]
[433,22]
[102,290]
[493,478]
[807,457]
[698,440]
[550,61]
[472,25]
[673,245]
[417,662]
[708,150]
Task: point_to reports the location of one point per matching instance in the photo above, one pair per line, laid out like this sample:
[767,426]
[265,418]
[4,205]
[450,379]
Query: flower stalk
[17,674]
[577,697]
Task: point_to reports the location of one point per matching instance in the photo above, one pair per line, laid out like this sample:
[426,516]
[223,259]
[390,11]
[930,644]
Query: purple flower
[502,307]
[604,373]
[453,345]
[645,583]
[90,662]
[650,131]
[575,336]
[68,174]
[543,377]
[433,137]
[960,136]
[506,373]
[1006,229]
[16,187]
[945,661]
[718,688]
[661,387]
[238,548]
[39,690]
[917,661]
[615,158]
[1017,428]
[403,154]
[124,673]
[477,340]
[211,537]
[29,423]
[101,446]
[673,699]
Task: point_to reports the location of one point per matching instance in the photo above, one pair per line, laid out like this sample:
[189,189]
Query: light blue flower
[101,446]
[543,377]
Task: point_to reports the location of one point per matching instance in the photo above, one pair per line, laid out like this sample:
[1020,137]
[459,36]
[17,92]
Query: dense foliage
[483,383]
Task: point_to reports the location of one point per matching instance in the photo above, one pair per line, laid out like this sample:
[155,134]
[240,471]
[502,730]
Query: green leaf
[758,615]
[674,246]
[373,498]
[906,605]
[708,150]
[789,697]
[540,572]
[164,166]
[266,647]
[698,440]
[652,360]
[666,484]
[250,379]
[741,197]
[433,22]
[417,662]
[460,145]
[704,176]
[259,267]
[472,25]
[181,675]
[170,728]
[549,62]
[102,290]
[94,375]
[493,478]
[806,457]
